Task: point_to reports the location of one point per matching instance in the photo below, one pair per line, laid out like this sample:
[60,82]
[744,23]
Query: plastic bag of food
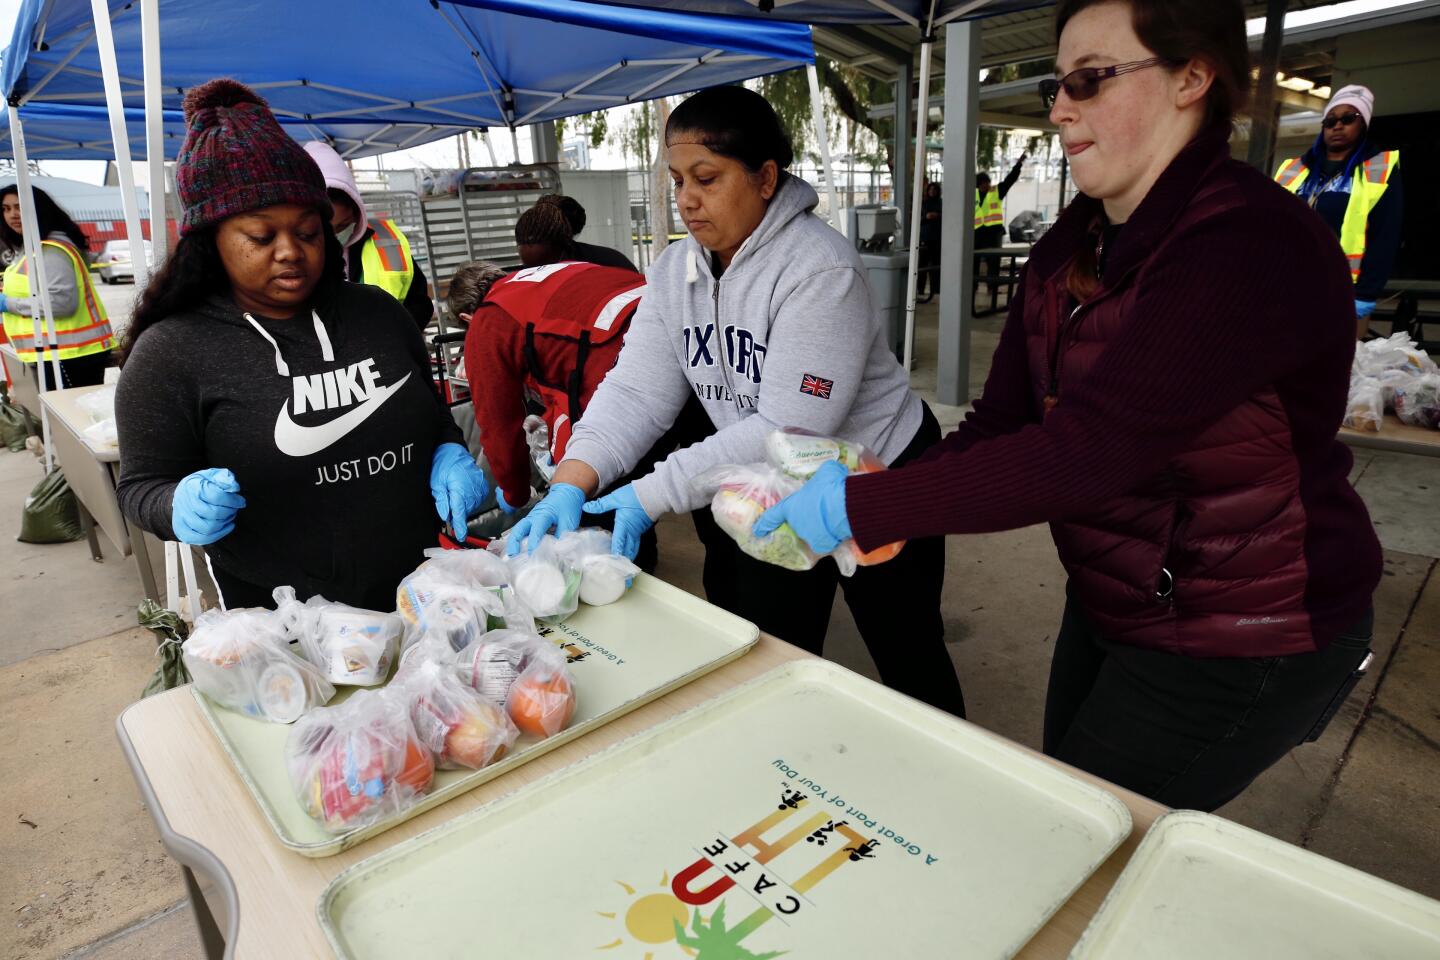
[491,665]
[242,659]
[98,404]
[102,434]
[1365,408]
[742,495]
[351,646]
[453,595]
[1417,401]
[799,453]
[604,577]
[459,726]
[358,761]
[542,698]
[545,581]
[1395,352]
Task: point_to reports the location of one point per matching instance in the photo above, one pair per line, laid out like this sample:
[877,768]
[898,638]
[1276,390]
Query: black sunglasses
[1331,122]
[1084,83]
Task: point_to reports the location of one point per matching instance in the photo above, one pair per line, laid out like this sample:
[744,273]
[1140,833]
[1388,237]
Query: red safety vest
[576,305]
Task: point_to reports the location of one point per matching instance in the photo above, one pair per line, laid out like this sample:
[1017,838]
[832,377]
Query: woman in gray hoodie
[763,315]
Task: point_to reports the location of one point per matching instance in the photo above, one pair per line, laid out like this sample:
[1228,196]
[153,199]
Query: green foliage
[713,942]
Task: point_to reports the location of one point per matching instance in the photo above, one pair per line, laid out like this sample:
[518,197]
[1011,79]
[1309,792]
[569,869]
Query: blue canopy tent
[925,16]
[367,75]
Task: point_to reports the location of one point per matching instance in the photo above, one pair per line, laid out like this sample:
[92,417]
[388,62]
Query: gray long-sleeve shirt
[59,280]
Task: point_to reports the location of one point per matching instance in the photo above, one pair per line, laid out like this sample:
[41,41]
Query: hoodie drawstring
[281,367]
[692,267]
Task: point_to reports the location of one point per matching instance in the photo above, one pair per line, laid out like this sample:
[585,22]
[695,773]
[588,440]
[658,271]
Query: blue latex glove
[204,506]
[1363,308]
[816,512]
[4,303]
[458,485]
[631,520]
[504,504]
[559,510]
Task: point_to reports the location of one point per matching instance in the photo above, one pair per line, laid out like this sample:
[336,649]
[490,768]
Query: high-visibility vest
[82,333]
[1371,180]
[989,211]
[385,259]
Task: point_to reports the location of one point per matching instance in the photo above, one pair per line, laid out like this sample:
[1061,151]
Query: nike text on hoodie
[328,420]
[787,337]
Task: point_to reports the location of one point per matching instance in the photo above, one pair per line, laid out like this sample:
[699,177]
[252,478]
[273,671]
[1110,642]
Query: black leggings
[86,371]
[896,605]
[1188,732]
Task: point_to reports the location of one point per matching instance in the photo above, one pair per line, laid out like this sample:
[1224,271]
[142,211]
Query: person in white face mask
[376,251]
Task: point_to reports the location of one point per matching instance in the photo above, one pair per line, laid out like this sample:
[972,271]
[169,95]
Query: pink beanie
[1356,96]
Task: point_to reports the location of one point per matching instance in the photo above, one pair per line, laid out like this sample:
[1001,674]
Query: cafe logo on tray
[812,843]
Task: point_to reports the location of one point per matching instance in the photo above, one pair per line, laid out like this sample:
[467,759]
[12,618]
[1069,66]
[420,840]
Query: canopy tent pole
[917,182]
[154,131]
[115,101]
[818,111]
[957,219]
[489,147]
[39,290]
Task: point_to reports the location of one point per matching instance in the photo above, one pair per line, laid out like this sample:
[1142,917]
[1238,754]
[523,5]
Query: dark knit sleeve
[1007,403]
[1195,349]
[157,415]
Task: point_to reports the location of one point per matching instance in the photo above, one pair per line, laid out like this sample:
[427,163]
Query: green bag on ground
[170,634]
[51,514]
[15,424]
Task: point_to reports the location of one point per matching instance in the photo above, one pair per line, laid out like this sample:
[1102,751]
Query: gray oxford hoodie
[786,338]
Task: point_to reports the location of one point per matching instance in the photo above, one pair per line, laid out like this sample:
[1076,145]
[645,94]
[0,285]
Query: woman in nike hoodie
[267,409]
[763,315]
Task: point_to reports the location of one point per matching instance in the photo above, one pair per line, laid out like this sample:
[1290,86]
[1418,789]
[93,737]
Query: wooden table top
[203,799]
[1395,437]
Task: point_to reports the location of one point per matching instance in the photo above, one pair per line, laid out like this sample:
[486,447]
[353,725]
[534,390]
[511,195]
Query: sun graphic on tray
[650,919]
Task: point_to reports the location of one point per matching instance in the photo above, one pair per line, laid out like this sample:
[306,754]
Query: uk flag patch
[816,387]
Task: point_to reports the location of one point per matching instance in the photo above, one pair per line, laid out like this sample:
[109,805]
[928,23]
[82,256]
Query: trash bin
[888,274]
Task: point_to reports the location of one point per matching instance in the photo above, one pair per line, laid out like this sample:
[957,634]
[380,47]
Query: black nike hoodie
[329,428]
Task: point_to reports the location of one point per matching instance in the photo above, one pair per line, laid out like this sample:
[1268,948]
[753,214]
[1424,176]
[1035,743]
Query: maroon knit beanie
[236,158]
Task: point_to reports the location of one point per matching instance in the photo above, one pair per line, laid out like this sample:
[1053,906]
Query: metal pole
[957,225]
[1262,117]
[901,154]
[110,70]
[489,147]
[917,181]
[154,132]
[818,112]
[39,290]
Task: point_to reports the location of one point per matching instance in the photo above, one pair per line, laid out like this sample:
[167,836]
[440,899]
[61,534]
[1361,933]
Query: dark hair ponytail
[736,123]
[194,271]
[545,223]
[52,217]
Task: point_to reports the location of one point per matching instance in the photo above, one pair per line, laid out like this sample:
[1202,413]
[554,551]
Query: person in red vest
[553,331]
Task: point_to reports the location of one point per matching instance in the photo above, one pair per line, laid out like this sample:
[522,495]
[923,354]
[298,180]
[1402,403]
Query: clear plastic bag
[459,726]
[98,404]
[1395,352]
[1365,408]
[542,699]
[358,761]
[491,665]
[604,577]
[455,595]
[103,434]
[742,494]
[545,582]
[242,659]
[799,453]
[351,646]
[1417,400]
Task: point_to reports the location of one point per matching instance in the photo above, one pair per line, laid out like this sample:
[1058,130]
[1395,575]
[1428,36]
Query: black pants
[987,238]
[86,371]
[896,605]
[1188,732]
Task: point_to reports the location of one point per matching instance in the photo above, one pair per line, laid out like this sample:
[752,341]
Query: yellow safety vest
[989,211]
[385,259]
[1371,179]
[82,333]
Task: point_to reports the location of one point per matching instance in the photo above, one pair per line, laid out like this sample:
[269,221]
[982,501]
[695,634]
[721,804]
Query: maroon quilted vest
[1207,557]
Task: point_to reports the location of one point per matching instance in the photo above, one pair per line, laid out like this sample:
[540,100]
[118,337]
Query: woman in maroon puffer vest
[1166,394]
